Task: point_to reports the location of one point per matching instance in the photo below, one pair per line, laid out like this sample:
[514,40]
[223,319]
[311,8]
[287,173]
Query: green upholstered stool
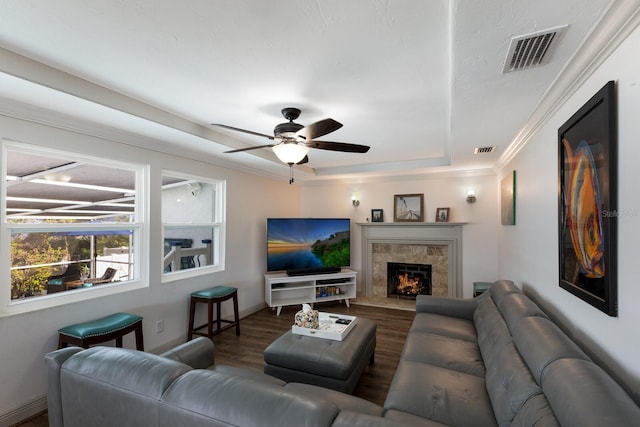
[480,287]
[101,330]
[215,295]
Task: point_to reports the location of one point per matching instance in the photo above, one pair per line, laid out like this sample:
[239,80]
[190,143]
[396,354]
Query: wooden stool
[216,295]
[98,331]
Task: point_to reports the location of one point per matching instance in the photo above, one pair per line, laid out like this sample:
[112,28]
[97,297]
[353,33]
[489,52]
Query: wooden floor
[260,329]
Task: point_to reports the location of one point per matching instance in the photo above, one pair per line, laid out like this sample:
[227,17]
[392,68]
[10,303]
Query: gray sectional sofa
[493,360]
[499,360]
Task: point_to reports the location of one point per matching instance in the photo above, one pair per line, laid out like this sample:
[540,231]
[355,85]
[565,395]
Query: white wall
[529,251]
[480,241]
[26,338]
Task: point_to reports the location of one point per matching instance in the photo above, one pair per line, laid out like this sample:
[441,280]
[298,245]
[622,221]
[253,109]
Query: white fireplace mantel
[448,234]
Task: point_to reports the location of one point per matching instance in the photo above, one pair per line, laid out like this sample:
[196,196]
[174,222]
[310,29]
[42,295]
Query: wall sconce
[471,196]
[354,201]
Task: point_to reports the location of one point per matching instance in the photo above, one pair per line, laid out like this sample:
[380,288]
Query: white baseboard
[23,412]
[249,311]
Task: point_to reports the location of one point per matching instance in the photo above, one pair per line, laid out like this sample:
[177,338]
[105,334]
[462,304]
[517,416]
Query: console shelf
[281,290]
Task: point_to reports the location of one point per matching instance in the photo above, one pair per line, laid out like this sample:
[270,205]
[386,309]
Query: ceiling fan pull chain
[290,173]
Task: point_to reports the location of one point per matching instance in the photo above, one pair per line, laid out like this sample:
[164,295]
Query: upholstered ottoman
[332,364]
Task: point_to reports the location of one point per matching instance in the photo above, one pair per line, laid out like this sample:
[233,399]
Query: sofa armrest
[456,307]
[197,353]
[54,361]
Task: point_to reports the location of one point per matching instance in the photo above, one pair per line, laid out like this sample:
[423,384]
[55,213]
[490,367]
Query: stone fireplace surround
[438,244]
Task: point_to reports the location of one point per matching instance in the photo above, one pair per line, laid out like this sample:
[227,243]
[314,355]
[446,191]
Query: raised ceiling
[419,81]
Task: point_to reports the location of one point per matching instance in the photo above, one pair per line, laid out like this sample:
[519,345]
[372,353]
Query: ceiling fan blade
[303,161]
[338,146]
[318,129]
[242,130]
[237,150]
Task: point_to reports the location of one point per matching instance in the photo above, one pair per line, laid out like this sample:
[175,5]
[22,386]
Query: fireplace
[405,280]
[436,244]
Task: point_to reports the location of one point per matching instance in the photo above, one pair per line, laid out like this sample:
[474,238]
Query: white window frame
[140,227]
[218,226]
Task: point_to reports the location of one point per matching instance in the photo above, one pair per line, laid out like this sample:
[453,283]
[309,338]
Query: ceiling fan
[292,141]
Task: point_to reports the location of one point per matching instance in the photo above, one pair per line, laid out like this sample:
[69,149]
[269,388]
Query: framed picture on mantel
[377,215]
[442,215]
[408,207]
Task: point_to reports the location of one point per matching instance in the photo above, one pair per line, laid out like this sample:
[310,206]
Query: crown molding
[422,176]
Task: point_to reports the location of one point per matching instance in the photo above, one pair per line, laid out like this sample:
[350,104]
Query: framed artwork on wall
[442,215]
[587,202]
[508,199]
[408,207]
[377,215]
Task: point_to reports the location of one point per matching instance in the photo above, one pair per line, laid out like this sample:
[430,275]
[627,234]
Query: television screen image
[308,243]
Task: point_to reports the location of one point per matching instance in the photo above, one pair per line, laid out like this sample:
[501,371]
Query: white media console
[281,290]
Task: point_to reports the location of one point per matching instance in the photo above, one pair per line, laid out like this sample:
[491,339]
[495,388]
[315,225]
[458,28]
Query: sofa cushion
[97,380]
[509,383]
[443,351]
[535,412]
[354,419]
[492,330]
[345,402]
[452,307]
[448,326]
[410,420]
[517,306]
[439,394]
[501,289]
[247,373]
[540,342]
[583,394]
[210,398]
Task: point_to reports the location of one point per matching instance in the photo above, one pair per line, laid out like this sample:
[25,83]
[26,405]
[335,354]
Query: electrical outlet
[159,326]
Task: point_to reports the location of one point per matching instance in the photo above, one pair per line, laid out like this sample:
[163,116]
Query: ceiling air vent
[532,49]
[483,150]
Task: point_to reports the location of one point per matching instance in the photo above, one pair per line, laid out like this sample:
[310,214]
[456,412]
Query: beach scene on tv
[296,243]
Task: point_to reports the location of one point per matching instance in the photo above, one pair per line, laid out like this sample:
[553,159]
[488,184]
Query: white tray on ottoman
[328,328]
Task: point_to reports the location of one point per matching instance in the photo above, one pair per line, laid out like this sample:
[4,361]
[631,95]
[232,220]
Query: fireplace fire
[408,280]
[409,286]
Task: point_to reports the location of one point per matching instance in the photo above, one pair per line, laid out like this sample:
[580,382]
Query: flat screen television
[308,245]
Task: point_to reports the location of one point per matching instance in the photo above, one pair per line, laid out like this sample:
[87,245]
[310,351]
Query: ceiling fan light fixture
[290,153]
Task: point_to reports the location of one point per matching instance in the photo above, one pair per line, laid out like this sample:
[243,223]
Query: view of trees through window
[71,222]
[45,263]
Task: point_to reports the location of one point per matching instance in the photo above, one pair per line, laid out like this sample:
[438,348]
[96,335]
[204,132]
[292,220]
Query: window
[193,227]
[73,222]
